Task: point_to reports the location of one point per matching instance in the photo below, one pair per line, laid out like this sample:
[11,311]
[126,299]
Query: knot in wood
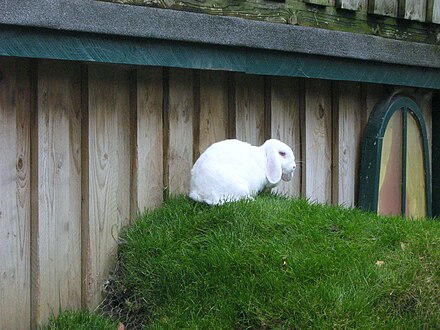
[321,112]
[20,163]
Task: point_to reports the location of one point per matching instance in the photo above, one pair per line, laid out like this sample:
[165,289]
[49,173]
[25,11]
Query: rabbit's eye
[282,153]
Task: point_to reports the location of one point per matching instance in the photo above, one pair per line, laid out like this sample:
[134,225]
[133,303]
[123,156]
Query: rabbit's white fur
[230,170]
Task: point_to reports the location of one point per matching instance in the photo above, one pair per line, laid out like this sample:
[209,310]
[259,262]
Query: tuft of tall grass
[80,320]
[275,263]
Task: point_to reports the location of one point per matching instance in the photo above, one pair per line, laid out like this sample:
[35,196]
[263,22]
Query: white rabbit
[230,170]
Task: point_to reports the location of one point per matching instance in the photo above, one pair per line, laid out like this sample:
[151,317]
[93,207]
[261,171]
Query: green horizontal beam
[75,46]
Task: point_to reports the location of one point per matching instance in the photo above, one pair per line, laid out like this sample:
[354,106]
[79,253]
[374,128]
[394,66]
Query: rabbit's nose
[293,167]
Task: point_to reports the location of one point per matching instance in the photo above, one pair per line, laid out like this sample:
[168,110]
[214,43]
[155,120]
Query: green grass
[80,320]
[275,263]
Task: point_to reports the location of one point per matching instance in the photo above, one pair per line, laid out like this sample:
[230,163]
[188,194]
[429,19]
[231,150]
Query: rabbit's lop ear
[273,166]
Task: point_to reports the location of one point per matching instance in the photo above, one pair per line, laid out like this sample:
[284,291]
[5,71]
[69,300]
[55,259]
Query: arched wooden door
[395,177]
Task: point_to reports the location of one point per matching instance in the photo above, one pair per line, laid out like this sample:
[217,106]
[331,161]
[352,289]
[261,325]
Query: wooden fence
[410,20]
[85,147]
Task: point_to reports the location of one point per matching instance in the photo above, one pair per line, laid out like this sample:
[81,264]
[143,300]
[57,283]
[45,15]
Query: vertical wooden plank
[232,130]
[356,5]
[413,9]
[390,178]
[285,126]
[213,108]
[85,227]
[109,172]
[347,129]
[416,199]
[249,108]
[371,95]
[181,106]
[318,141]
[149,138]
[15,194]
[433,11]
[57,231]
[383,7]
[133,142]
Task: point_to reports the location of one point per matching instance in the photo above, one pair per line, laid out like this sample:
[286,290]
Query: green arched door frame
[372,151]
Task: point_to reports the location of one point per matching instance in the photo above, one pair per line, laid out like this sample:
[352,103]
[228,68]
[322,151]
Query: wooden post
[213,108]
[383,7]
[355,5]
[149,167]
[15,194]
[318,141]
[346,143]
[433,11]
[249,107]
[285,100]
[413,10]
[56,229]
[181,105]
[109,173]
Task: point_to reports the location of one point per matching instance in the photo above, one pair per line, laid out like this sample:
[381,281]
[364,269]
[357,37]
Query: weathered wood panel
[433,11]
[371,95]
[356,5]
[101,133]
[413,9]
[57,272]
[15,194]
[359,16]
[416,199]
[109,172]
[149,165]
[213,108]
[181,106]
[390,178]
[347,134]
[317,143]
[285,95]
[249,108]
[383,7]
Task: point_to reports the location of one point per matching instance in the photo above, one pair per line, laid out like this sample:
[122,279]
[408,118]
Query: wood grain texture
[355,5]
[249,108]
[149,169]
[346,142]
[15,194]
[433,11]
[58,269]
[109,172]
[213,108]
[383,7]
[317,145]
[390,178]
[371,95]
[181,106]
[326,14]
[285,122]
[415,171]
[413,10]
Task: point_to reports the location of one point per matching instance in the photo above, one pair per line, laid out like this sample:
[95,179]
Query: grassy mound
[275,263]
